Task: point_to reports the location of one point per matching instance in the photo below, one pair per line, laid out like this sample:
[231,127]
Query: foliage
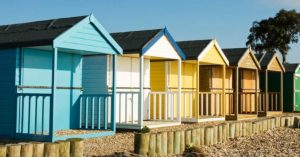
[275,33]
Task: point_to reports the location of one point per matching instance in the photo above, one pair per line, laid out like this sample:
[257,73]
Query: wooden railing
[127,107]
[33,116]
[211,103]
[94,111]
[247,103]
[229,101]
[189,104]
[163,106]
[274,101]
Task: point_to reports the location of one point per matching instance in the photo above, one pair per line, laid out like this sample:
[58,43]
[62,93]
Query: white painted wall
[163,48]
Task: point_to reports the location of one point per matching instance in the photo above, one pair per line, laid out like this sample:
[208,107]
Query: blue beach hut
[42,94]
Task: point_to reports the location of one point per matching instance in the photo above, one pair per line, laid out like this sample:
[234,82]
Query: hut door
[297,93]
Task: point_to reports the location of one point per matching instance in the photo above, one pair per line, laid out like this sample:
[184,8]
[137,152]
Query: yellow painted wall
[213,56]
[157,76]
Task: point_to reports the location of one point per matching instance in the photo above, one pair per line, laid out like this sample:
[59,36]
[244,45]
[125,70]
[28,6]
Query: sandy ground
[276,142]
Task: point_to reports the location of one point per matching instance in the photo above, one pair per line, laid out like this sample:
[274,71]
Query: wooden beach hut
[203,81]
[243,92]
[291,90]
[41,87]
[271,84]
[143,96]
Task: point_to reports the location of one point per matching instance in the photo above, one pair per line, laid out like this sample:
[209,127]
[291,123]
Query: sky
[226,20]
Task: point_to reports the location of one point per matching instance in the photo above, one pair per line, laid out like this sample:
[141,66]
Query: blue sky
[226,20]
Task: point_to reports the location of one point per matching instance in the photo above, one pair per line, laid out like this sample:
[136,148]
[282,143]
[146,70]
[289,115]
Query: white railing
[189,104]
[127,107]
[163,106]
[211,104]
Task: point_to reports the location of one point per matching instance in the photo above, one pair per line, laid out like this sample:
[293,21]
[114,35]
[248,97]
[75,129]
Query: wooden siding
[94,74]
[7,92]
[188,75]
[248,62]
[217,77]
[163,49]
[275,65]
[85,37]
[173,74]
[248,86]
[213,56]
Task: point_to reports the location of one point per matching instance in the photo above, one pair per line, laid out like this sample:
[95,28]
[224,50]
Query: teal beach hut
[42,96]
[291,96]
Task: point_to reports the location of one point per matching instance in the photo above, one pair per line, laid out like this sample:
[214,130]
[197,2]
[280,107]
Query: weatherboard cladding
[132,42]
[192,49]
[234,55]
[35,33]
[264,59]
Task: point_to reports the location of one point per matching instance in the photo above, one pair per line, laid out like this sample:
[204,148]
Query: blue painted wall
[7,92]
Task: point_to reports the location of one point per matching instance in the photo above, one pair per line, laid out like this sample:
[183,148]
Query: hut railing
[127,107]
[95,111]
[247,103]
[189,104]
[211,104]
[261,102]
[33,116]
[163,106]
[274,101]
[229,102]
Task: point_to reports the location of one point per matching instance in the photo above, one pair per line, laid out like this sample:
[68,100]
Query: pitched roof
[133,41]
[234,55]
[35,33]
[291,67]
[193,48]
[259,56]
[265,59]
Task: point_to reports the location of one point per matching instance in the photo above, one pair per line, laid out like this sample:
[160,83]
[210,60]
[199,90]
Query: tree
[275,34]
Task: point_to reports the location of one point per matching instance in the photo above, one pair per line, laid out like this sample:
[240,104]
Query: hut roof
[134,41]
[35,33]
[192,49]
[291,67]
[234,55]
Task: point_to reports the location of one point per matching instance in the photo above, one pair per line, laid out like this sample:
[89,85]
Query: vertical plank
[113,96]
[154,106]
[236,92]
[197,91]
[184,105]
[266,92]
[281,91]
[256,92]
[223,91]
[191,105]
[206,104]
[99,112]
[29,114]
[105,103]
[141,94]
[35,115]
[86,111]
[132,108]
[120,107]
[126,107]
[93,112]
[159,106]
[43,114]
[179,92]
[202,104]
[53,92]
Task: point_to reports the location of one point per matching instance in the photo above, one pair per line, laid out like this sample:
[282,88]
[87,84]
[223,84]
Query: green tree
[275,34]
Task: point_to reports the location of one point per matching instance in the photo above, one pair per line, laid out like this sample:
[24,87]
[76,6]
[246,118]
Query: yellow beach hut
[243,93]
[203,81]
[271,84]
[143,96]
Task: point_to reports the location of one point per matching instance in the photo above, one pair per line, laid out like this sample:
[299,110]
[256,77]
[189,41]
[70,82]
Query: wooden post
[182,141]
[236,92]
[13,150]
[224,106]
[77,147]
[141,94]
[195,137]
[197,103]
[141,143]
[114,94]
[215,134]
[256,92]
[188,134]
[64,148]
[201,136]
[296,122]
[170,143]
[152,145]
[158,144]
[164,144]
[38,149]
[232,128]
[281,91]
[220,133]
[208,135]
[51,150]
[2,151]
[26,149]
[266,92]
[237,129]
[179,91]
[53,92]
[176,142]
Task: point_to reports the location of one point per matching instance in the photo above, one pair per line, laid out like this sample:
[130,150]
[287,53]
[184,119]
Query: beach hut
[271,84]
[203,81]
[41,83]
[143,96]
[243,92]
[291,90]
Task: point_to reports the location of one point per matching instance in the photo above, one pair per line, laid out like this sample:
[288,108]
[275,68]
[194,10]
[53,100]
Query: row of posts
[175,142]
[68,148]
